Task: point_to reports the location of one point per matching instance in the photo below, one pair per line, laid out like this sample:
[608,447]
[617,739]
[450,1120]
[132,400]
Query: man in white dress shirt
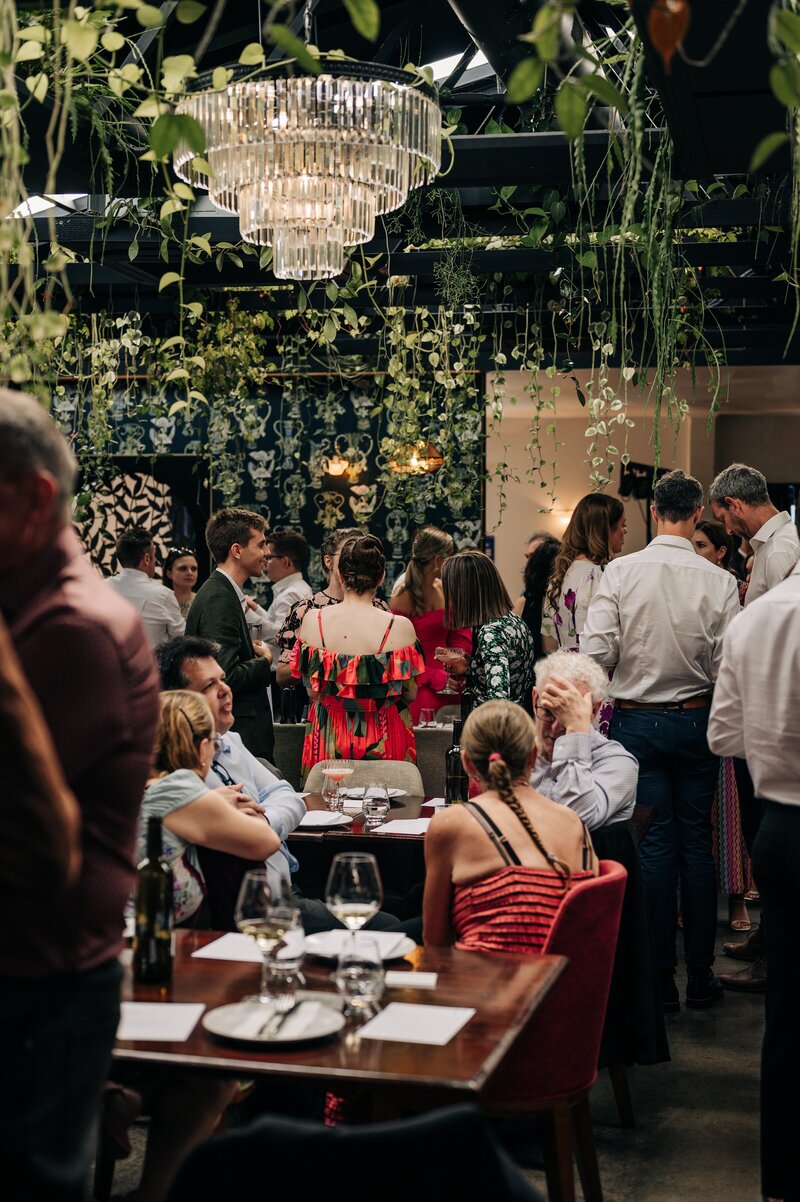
[658,618]
[156,604]
[576,766]
[287,556]
[741,502]
[755,715]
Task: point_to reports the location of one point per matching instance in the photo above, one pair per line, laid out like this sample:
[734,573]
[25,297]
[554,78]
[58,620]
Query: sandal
[738,918]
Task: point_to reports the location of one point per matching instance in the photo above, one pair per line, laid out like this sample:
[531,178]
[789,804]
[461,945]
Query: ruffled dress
[359,712]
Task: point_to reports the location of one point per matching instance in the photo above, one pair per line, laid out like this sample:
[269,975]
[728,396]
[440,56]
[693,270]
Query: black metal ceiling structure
[716,115]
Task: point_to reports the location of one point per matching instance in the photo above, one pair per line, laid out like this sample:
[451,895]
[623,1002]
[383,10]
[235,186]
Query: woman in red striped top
[497,867]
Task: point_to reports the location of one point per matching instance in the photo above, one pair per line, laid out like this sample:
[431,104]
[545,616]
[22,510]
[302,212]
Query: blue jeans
[678,777]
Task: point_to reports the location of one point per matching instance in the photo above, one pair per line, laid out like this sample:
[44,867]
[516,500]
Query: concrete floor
[697,1117]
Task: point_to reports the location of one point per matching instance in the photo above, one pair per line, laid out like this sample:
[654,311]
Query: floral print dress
[565,625]
[502,662]
[358,712]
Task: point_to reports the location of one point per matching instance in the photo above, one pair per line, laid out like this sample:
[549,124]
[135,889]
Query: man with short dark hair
[236,540]
[87,660]
[155,604]
[658,618]
[287,556]
[740,500]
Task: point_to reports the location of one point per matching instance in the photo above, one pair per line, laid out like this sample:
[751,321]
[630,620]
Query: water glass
[255,630]
[427,717]
[376,808]
[359,975]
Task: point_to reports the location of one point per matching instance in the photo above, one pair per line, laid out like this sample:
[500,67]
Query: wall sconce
[415,459]
[337,465]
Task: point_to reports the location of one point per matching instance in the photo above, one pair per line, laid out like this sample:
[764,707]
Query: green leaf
[365,16]
[34,33]
[176,407]
[195,308]
[184,191]
[189,11]
[37,86]
[524,80]
[172,128]
[219,78]
[329,329]
[173,205]
[149,16]
[200,240]
[28,51]
[133,250]
[112,41]
[294,48]
[570,109]
[787,28]
[252,55]
[169,277]
[80,38]
[265,257]
[766,148]
[587,259]
[545,33]
[605,92]
[784,79]
[332,291]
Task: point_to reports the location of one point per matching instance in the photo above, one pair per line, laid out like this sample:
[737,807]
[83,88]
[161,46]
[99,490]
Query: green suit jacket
[216,614]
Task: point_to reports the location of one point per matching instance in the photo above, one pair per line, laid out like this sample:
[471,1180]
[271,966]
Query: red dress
[359,712]
[431,633]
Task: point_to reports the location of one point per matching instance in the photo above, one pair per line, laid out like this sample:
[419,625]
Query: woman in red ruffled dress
[360,666]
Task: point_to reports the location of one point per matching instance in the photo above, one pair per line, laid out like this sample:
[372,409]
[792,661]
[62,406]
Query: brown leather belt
[691,703]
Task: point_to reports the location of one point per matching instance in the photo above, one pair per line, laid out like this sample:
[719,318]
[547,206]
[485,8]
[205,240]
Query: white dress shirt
[156,604]
[594,776]
[658,618]
[776,549]
[283,807]
[757,699]
[284,595]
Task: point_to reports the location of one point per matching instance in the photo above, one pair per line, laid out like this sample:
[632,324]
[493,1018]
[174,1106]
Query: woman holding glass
[421,600]
[501,665]
[359,669]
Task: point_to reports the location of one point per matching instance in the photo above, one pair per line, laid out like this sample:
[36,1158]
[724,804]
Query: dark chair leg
[558,1154]
[585,1151]
[622,1094]
[103,1174]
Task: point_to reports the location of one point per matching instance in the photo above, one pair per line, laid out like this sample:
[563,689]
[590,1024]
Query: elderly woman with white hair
[576,765]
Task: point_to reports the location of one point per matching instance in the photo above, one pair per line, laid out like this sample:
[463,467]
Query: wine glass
[267,920]
[354,891]
[335,771]
[450,657]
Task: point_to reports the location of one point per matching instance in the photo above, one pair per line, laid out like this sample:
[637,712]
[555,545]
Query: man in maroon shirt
[86,657]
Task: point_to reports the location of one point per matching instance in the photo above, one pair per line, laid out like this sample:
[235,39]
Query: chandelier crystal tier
[309,162]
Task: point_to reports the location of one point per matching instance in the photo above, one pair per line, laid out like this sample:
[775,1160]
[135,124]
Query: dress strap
[497,837]
[587,849]
[319,622]
[387,632]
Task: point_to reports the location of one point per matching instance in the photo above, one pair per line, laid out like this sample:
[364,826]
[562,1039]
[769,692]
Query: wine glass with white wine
[267,921]
[354,891]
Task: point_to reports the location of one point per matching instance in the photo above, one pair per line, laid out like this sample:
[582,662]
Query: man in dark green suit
[236,540]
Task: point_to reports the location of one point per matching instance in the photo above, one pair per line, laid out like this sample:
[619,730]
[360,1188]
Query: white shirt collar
[769,528]
[135,572]
[228,576]
[672,540]
[280,586]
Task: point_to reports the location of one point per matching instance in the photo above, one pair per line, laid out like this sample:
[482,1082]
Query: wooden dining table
[505,992]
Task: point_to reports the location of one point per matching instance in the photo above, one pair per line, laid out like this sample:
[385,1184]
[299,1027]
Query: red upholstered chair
[554,1064]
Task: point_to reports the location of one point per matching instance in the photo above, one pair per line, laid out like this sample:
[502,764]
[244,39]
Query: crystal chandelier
[309,162]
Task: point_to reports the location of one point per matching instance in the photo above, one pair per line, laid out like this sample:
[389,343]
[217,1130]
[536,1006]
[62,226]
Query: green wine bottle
[152,939]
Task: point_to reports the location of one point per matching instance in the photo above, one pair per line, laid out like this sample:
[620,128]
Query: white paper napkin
[403,826]
[230,947]
[332,943]
[321,818]
[359,791]
[436,801]
[401,1022]
[156,1022]
[395,978]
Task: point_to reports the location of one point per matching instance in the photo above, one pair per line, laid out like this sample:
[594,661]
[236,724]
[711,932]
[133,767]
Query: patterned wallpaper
[271,454]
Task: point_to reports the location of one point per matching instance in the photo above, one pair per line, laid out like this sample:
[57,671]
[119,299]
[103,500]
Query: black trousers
[776,865]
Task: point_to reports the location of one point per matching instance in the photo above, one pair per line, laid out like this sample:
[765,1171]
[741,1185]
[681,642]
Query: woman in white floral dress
[595,534]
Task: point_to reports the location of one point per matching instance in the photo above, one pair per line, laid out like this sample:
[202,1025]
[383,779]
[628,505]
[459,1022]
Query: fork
[284,1006]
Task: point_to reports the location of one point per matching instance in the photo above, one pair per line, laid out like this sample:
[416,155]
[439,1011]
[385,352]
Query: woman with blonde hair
[501,665]
[193,815]
[595,534]
[421,600]
[497,867]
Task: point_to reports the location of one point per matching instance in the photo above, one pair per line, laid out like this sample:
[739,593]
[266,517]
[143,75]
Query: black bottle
[152,939]
[467,703]
[288,713]
[456,781]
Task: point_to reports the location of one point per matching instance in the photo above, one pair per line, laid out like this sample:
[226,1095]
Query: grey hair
[742,482]
[30,442]
[676,497]
[576,668]
[542,534]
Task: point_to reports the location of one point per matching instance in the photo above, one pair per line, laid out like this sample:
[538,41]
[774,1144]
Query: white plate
[243,1020]
[327,818]
[357,792]
[328,944]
